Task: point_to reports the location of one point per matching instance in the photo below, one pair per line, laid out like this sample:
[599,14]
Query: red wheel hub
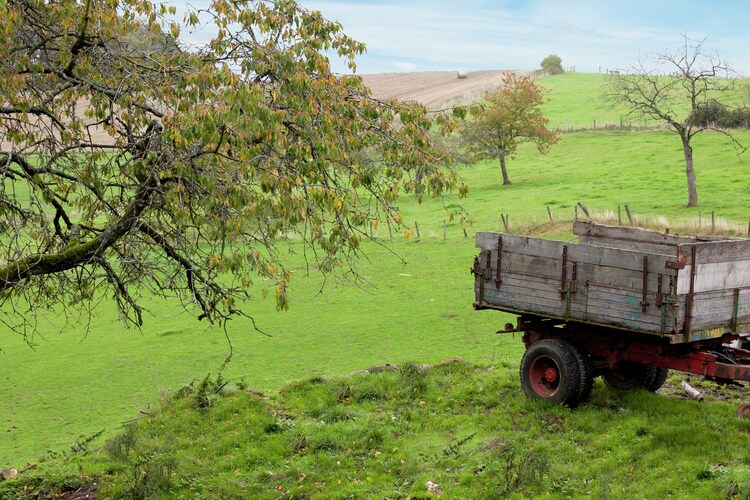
[544,376]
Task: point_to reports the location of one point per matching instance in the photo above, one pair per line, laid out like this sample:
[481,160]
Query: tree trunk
[690,172]
[506,180]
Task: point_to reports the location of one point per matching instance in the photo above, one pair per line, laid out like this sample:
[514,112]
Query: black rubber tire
[550,372]
[586,370]
[629,376]
[660,376]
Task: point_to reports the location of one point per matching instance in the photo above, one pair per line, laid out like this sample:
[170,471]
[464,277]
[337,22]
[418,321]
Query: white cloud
[508,34]
[404,66]
[477,34]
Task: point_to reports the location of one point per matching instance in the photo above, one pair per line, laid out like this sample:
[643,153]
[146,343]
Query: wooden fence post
[585,210]
[627,212]
[619,216]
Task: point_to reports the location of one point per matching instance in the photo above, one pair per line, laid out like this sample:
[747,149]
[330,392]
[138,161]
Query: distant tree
[131,168]
[680,90]
[508,116]
[552,64]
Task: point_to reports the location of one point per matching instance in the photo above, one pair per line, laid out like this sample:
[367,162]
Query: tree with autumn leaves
[507,117]
[136,168]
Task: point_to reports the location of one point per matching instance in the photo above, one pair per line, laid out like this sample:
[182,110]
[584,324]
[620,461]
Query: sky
[591,35]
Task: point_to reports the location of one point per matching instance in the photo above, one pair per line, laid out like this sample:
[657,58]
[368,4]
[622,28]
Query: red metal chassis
[713,358]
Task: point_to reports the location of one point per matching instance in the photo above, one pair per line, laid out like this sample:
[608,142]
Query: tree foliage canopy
[152,169]
[552,64]
[677,89]
[507,117]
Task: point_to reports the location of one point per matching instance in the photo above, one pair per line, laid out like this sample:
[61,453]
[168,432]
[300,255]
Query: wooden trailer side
[717,293]
[574,282]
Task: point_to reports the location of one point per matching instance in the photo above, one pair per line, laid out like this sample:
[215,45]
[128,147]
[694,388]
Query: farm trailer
[626,304]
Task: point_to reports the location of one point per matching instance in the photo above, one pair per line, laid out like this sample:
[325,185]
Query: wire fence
[705,223]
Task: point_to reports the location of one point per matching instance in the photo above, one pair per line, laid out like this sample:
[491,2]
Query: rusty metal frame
[498,279]
[644,297]
[564,277]
[659,292]
[735,310]
[691,295]
[714,359]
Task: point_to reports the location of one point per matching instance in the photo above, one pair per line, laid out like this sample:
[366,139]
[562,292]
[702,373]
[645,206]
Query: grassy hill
[454,429]
[414,305]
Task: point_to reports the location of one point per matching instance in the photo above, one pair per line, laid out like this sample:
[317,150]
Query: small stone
[10,473]
[434,488]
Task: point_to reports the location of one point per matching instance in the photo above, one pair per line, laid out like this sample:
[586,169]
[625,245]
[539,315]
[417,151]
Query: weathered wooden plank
[627,306]
[587,228]
[543,296]
[601,256]
[537,292]
[628,279]
[548,289]
[592,229]
[512,280]
[715,276]
[717,251]
[529,265]
[552,268]
[605,318]
[533,265]
[636,246]
[715,309]
[722,275]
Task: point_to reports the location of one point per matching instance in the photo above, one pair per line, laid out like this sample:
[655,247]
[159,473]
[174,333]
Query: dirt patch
[85,491]
[734,392]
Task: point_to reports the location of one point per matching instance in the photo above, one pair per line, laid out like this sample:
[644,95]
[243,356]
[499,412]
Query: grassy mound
[453,429]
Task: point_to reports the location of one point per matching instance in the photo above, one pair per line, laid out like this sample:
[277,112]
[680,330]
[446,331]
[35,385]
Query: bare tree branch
[673,92]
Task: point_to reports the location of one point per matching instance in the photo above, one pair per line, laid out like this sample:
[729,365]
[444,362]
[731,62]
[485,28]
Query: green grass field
[75,383]
[575,101]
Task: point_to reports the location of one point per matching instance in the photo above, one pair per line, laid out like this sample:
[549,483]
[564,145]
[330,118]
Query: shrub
[552,64]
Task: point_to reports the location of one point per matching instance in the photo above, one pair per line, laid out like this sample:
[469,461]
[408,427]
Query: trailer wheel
[550,372]
[586,370]
[629,376]
[660,375]
[743,411]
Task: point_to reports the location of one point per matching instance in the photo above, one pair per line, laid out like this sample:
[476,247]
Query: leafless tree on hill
[694,77]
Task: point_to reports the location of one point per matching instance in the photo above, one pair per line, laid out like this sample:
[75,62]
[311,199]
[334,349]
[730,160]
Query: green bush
[552,64]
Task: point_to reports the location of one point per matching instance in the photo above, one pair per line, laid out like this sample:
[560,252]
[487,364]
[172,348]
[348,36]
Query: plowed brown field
[434,89]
